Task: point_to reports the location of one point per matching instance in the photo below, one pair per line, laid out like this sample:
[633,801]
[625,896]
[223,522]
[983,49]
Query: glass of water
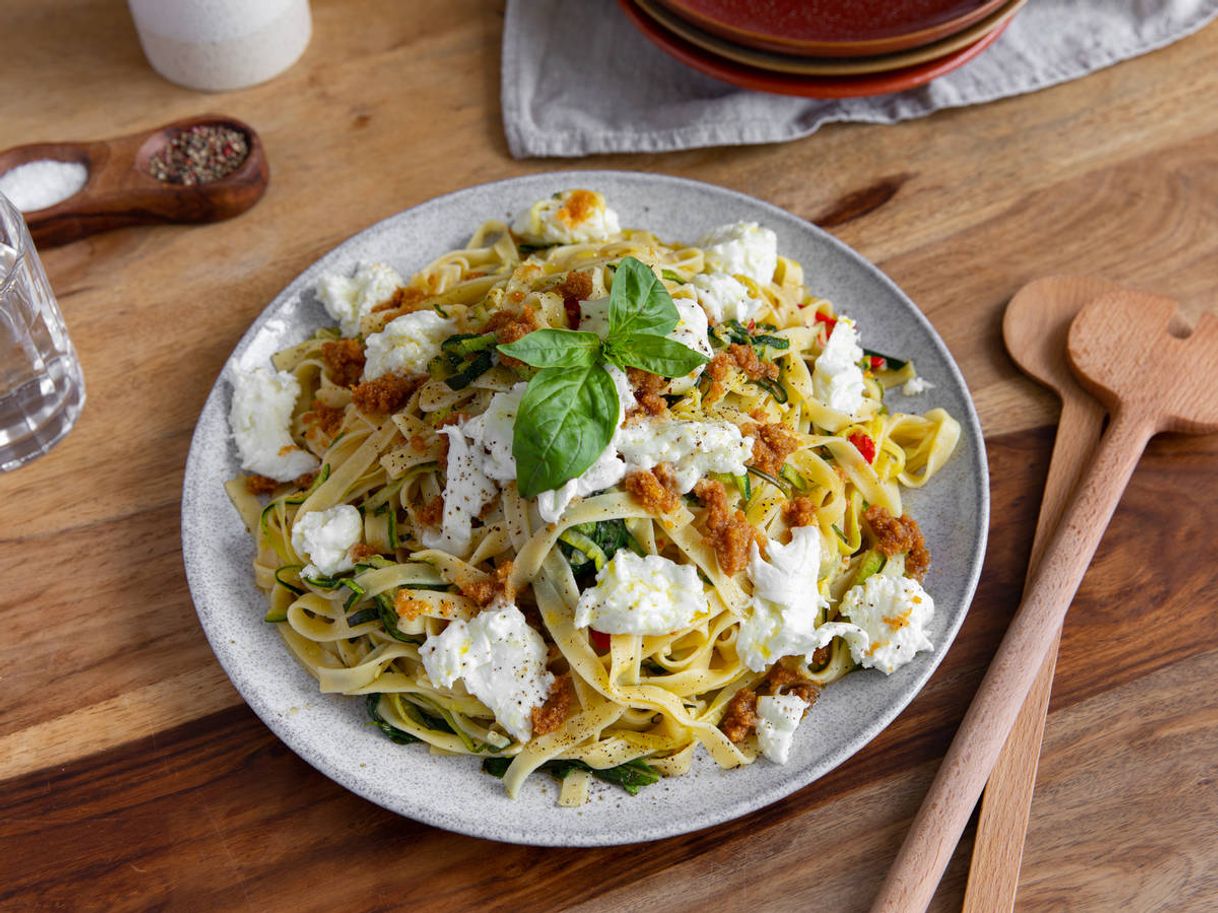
[41,386]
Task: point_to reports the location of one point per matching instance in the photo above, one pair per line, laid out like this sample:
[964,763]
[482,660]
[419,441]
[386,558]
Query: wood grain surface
[133,778]
[1144,393]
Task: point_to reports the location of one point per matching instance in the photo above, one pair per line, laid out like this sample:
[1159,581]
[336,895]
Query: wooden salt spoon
[120,191]
[1034,328]
[1124,349]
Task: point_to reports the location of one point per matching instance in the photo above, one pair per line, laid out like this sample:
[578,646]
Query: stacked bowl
[824,48]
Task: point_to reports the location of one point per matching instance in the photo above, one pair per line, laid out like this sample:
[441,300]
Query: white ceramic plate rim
[534,819]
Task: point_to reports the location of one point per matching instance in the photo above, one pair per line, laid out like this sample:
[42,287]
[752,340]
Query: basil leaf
[657,354]
[639,303]
[566,420]
[550,348]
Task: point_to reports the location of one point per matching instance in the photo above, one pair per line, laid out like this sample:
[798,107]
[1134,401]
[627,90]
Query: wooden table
[134,778]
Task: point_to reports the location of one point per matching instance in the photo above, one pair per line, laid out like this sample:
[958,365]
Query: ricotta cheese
[693,448]
[777,718]
[893,612]
[724,297]
[915,386]
[606,471]
[261,420]
[641,595]
[691,331]
[493,430]
[744,249]
[571,217]
[781,620]
[325,538]
[789,576]
[837,379]
[502,661]
[349,298]
[466,489]
[406,344]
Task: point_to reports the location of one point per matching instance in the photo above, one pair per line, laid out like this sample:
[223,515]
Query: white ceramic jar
[216,45]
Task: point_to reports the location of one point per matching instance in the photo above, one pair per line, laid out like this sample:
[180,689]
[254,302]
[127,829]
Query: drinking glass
[41,386]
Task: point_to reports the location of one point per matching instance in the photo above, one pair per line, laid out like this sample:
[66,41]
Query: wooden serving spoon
[120,191]
[1124,349]
[1035,328]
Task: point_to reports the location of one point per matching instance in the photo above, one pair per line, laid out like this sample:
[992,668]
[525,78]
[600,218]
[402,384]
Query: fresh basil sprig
[570,410]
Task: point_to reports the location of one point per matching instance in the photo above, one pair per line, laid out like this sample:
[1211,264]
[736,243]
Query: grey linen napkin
[579,79]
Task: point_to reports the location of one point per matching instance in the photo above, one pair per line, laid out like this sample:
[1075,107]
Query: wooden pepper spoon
[1125,350]
[120,190]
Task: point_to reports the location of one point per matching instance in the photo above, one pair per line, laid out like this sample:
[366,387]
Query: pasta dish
[579,500]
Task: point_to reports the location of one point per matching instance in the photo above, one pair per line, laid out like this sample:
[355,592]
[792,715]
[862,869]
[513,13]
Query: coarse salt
[37,185]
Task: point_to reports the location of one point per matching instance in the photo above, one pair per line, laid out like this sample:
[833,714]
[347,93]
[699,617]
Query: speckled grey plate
[331,732]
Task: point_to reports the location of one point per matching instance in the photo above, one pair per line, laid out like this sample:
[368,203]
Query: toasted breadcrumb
[772,444]
[575,285]
[509,327]
[554,712]
[491,588]
[407,606]
[362,550]
[740,718]
[799,511]
[785,680]
[647,387]
[403,300]
[386,394]
[344,361]
[322,418]
[894,535]
[260,485]
[432,512]
[646,488]
[742,357]
[730,534]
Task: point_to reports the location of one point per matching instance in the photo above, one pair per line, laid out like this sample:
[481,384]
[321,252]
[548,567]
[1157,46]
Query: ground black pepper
[199,155]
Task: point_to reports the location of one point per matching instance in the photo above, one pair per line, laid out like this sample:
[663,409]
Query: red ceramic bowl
[824,66]
[833,28]
[805,86]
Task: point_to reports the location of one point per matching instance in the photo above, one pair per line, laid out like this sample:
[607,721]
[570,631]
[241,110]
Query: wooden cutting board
[133,778]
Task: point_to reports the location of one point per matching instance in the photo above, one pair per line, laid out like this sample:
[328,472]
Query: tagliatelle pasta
[427,585]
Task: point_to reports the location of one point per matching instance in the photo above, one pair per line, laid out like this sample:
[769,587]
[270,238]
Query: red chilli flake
[829,322]
[864,445]
[878,363]
[600,640]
